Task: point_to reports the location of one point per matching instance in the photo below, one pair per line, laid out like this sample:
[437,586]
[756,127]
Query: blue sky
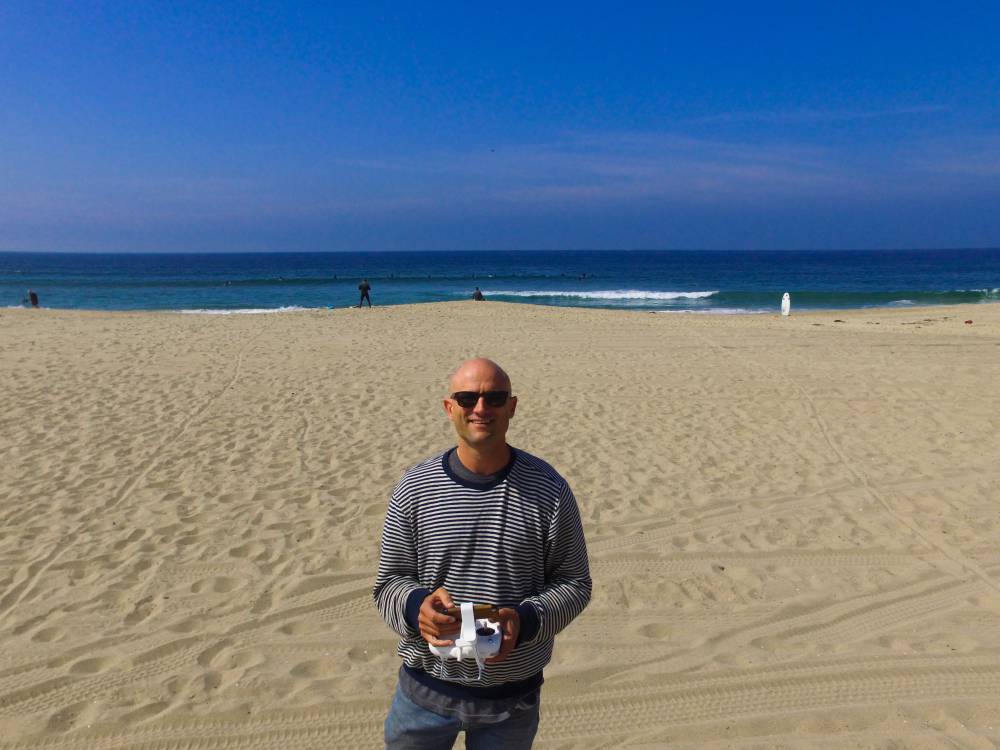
[148,126]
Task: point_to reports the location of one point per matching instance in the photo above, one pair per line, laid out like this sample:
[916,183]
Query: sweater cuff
[412,611]
[529,622]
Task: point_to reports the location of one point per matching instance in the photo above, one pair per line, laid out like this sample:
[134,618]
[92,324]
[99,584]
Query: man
[484,523]
[478,295]
[364,287]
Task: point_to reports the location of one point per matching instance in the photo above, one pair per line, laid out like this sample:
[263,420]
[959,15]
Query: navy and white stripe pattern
[520,540]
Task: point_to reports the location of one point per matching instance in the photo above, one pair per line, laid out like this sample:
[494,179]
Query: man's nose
[481,404]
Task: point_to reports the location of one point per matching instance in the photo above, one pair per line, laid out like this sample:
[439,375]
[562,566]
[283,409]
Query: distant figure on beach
[33,298]
[478,295]
[501,527]
[364,287]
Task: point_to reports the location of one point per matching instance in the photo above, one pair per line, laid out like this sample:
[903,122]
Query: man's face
[480,426]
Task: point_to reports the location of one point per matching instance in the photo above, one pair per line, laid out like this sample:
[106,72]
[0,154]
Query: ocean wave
[986,293]
[606,294]
[247,310]
[713,311]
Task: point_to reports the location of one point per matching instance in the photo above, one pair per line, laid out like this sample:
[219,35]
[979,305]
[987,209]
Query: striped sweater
[517,542]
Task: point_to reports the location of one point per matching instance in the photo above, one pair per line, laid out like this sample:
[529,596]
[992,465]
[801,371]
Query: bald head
[480,370]
[481,414]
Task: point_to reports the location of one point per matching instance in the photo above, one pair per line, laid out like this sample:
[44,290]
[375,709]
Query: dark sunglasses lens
[495,398]
[468,399]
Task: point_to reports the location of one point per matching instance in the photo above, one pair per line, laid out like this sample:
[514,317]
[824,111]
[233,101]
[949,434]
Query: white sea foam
[247,310]
[714,311]
[989,293]
[902,303]
[605,294]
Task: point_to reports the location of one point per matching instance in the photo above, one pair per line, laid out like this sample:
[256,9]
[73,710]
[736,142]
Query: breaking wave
[606,294]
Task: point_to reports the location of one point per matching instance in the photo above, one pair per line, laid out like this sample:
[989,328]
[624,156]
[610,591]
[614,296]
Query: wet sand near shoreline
[792,522]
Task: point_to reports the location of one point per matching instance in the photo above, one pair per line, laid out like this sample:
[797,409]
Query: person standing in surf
[364,287]
[484,523]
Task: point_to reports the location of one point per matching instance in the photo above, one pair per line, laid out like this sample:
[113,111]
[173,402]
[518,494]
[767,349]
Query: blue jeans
[409,727]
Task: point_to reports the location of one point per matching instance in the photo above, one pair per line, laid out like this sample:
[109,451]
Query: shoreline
[289,310]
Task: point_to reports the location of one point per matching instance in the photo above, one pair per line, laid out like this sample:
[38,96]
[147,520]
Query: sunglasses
[468,399]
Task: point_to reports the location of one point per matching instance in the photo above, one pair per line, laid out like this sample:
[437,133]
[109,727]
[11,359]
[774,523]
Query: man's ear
[513,405]
[447,406]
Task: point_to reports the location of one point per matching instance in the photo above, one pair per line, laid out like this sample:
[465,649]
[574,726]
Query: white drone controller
[479,639]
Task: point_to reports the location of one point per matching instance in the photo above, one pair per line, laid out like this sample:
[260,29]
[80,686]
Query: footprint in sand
[250,550]
[656,630]
[296,627]
[222,656]
[93,665]
[189,624]
[76,715]
[143,610]
[316,669]
[359,655]
[145,712]
[216,585]
[48,635]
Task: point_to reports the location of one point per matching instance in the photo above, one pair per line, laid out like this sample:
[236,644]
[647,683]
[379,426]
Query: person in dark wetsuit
[478,295]
[33,297]
[364,287]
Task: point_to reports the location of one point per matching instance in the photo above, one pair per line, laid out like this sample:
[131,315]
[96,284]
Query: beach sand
[792,523]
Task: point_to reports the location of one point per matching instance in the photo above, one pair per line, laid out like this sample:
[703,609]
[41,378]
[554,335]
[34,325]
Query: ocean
[664,281]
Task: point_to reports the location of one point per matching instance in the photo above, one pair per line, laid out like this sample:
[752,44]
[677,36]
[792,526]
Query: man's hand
[433,623]
[510,626]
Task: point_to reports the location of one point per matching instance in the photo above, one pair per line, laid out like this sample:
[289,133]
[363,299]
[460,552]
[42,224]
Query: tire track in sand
[759,694]
[824,559]
[166,653]
[742,694]
[198,411]
[12,597]
[855,619]
[355,725]
[960,564]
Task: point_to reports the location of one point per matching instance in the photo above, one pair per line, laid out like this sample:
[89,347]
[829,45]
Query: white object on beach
[786,304]
[469,644]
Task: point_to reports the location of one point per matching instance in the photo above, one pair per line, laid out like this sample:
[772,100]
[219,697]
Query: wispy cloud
[616,168]
[973,156]
[588,169]
[807,115]
[578,173]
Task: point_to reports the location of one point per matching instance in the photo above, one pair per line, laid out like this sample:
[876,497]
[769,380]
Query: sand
[792,523]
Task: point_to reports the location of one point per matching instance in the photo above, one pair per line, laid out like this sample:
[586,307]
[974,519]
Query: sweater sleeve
[567,571]
[396,583]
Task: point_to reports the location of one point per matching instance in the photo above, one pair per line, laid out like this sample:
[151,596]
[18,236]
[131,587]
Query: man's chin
[480,438]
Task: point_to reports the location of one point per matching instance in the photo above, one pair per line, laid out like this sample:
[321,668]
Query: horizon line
[4,251]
